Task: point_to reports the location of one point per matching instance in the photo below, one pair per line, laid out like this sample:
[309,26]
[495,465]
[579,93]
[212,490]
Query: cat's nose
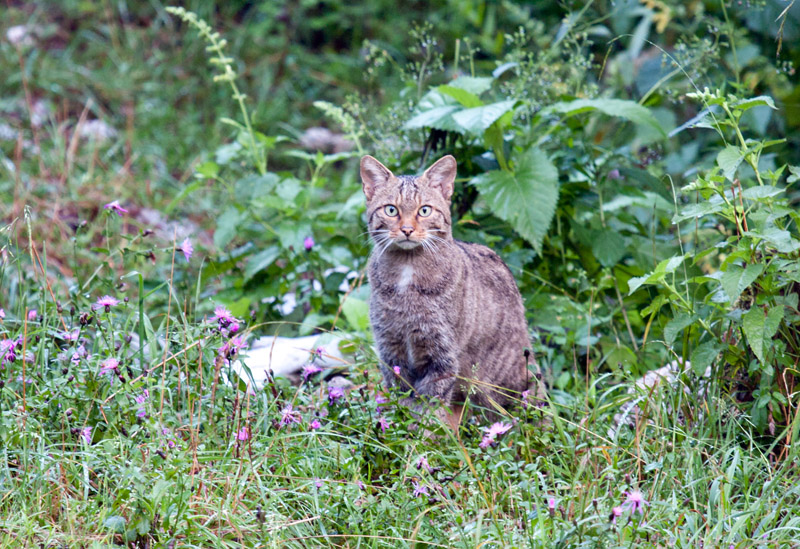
[406,230]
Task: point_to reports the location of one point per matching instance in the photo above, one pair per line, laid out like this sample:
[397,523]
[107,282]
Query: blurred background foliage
[581,106]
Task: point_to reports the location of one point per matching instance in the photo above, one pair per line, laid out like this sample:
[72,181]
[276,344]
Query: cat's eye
[390,210]
[425,211]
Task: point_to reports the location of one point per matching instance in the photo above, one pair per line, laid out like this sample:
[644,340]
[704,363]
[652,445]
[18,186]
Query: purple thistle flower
[289,416]
[334,395]
[309,370]
[525,395]
[308,243]
[106,302]
[380,399]
[86,433]
[233,327]
[422,463]
[32,314]
[70,336]
[614,174]
[318,483]
[361,485]
[243,434]
[8,351]
[490,438]
[141,399]
[635,502]
[115,207]
[222,315]
[315,424]
[551,506]
[186,248]
[79,353]
[396,370]
[233,346]
[2,314]
[109,366]
[419,489]
[317,353]
[141,413]
[383,423]
[616,512]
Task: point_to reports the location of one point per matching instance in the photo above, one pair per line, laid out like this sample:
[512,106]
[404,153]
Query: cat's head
[408,211]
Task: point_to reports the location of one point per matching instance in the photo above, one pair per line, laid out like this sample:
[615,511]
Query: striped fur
[447,313]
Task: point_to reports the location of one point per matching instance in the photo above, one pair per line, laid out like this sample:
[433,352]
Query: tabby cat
[446,315]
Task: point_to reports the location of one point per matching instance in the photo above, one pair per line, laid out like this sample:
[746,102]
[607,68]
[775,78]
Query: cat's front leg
[437,382]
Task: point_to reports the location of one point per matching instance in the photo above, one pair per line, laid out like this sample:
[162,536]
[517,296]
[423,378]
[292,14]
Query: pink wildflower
[334,395]
[243,434]
[115,207]
[70,336]
[383,423]
[616,512]
[361,485]
[309,370]
[308,243]
[490,438]
[551,506]
[315,424]
[8,351]
[422,463]
[32,314]
[380,399]
[318,483]
[419,489]
[233,346]
[635,502]
[106,302]
[222,315]
[396,370]
[109,366]
[289,416]
[186,248]
[86,433]
[2,314]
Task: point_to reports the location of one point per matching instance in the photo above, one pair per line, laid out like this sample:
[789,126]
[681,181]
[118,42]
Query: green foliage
[638,238]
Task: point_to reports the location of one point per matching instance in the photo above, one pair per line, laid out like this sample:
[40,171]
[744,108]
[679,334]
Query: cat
[446,315]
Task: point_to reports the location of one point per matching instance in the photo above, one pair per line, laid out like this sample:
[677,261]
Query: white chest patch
[406,277]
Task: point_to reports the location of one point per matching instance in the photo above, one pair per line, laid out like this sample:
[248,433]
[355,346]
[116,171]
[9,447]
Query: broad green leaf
[703,355]
[608,247]
[736,279]
[473,84]
[753,325]
[761,192]
[665,267]
[356,312]
[526,198]
[745,104]
[438,117]
[677,325]
[226,227]
[703,208]
[260,261]
[476,120]
[629,110]
[780,239]
[465,98]
[207,169]
[729,159]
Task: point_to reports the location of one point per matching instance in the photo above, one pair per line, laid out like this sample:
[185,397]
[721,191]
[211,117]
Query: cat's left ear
[443,175]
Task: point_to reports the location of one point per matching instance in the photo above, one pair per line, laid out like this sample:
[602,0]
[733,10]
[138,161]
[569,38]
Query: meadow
[177,182]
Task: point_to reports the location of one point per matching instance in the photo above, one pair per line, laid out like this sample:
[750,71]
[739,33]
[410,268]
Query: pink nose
[406,230]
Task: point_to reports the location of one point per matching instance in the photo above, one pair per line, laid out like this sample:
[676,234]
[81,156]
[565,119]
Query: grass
[162,451]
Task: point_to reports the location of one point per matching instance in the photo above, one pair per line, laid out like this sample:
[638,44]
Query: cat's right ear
[373,175]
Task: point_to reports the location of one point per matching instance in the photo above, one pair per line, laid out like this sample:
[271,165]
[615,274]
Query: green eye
[390,210]
[425,211]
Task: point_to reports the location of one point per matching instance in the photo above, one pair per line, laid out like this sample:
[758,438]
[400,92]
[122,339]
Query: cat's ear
[373,175]
[442,175]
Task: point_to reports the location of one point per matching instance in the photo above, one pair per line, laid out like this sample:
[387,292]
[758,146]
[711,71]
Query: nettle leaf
[782,240]
[761,192]
[435,110]
[736,279]
[703,355]
[478,119]
[356,312]
[729,159]
[526,198]
[260,261]
[464,97]
[664,268]
[760,328]
[677,325]
[472,84]
[629,110]
[608,247]
[746,104]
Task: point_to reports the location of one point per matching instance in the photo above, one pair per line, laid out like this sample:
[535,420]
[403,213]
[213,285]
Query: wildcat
[446,314]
